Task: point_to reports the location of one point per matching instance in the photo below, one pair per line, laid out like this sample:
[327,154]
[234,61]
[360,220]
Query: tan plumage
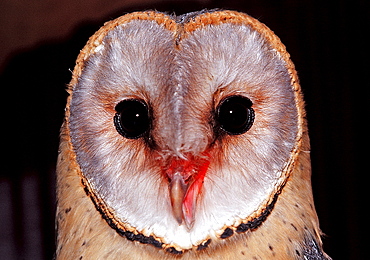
[126,197]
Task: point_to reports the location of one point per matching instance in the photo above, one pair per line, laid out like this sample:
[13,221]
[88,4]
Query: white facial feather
[183,85]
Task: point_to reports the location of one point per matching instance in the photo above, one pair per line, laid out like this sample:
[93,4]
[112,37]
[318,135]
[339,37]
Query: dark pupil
[132,118]
[235,115]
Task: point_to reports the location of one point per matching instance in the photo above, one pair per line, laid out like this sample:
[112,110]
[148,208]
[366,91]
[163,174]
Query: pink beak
[186,178]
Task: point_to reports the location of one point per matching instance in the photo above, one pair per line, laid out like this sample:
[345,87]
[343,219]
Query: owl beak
[186,178]
[178,189]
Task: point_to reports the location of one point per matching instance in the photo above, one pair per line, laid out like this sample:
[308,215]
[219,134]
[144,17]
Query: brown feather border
[180,31]
[134,235]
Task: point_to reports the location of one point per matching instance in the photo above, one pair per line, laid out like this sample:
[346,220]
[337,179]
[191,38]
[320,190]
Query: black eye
[132,119]
[235,115]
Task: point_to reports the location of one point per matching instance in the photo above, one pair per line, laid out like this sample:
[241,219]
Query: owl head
[184,130]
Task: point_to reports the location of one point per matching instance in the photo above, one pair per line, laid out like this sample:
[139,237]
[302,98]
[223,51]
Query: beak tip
[189,224]
[185,184]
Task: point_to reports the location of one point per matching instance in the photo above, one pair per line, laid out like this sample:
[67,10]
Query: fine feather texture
[181,90]
[182,72]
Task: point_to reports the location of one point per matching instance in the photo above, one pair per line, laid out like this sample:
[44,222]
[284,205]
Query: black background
[327,41]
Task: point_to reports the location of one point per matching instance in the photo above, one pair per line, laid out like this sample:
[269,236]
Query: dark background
[39,42]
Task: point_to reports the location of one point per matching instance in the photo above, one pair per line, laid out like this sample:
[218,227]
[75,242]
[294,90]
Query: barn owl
[185,138]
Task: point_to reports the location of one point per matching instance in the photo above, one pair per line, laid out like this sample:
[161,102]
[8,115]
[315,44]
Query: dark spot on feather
[204,245]
[141,238]
[129,235]
[272,250]
[242,228]
[154,242]
[172,250]
[297,252]
[227,233]
[87,191]
[294,226]
[120,231]
[67,210]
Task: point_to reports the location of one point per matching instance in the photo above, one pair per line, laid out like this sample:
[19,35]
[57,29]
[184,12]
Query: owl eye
[235,115]
[132,119]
